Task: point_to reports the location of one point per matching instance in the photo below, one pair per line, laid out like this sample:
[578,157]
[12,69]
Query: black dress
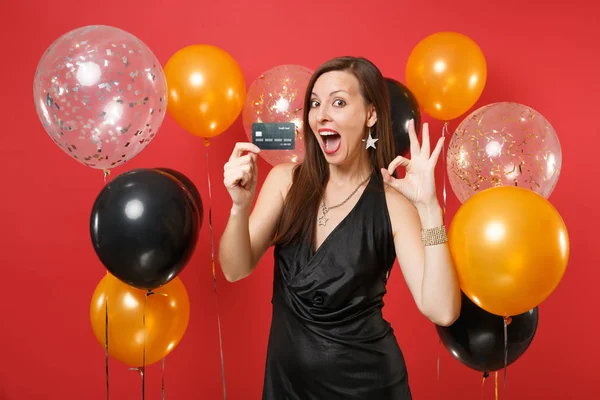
[328,337]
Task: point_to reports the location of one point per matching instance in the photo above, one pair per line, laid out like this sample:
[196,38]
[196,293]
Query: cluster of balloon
[144,226]
[101,95]
[509,244]
[277,97]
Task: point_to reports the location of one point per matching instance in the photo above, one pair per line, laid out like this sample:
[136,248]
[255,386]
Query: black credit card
[274,135]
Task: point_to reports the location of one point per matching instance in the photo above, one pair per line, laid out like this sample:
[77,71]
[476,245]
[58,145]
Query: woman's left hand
[419,183]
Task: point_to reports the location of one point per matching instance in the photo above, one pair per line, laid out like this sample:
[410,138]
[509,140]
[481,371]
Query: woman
[338,221]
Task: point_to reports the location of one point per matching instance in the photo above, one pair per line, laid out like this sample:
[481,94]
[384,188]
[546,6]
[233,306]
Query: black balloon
[189,185]
[404,108]
[144,227]
[476,339]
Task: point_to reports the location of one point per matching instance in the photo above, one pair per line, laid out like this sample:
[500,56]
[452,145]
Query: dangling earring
[370,141]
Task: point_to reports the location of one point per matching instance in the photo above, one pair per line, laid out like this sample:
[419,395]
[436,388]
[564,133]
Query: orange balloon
[510,248]
[446,72]
[207,89]
[167,317]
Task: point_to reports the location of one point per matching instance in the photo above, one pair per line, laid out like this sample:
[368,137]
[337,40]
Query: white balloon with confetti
[277,96]
[504,144]
[101,95]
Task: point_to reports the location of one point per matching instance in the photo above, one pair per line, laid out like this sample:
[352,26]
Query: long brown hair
[311,176]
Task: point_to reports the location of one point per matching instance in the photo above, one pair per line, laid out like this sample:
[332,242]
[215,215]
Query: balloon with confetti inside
[277,96]
[504,144]
[101,95]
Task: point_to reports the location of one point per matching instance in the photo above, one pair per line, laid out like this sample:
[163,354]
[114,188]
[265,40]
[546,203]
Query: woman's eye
[339,103]
[314,103]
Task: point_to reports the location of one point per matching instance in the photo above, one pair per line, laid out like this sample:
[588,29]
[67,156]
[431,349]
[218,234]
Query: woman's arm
[428,270]
[248,234]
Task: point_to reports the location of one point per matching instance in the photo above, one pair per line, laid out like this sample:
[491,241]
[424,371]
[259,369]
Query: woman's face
[339,116]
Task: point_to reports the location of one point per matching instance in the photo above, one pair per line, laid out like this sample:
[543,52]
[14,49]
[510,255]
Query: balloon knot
[486,375]
[140,370]
[507,320]
[206,142]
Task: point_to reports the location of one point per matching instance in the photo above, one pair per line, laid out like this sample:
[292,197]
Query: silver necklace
[325,209]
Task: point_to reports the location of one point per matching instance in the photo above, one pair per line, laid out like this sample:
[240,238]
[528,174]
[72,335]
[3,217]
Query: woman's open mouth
[331,140]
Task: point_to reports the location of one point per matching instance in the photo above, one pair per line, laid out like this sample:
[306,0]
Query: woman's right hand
[240,174]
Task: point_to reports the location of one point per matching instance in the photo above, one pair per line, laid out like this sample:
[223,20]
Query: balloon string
[106,174]
[106,344]
[483,379]
[143,369]
[212,242]
[507,321]
[221,351]
[163,379]
[496,384]
[438,368]
[444,133]
[142,374]
[214,274]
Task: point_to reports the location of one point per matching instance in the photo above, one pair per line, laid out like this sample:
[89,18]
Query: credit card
[274,135]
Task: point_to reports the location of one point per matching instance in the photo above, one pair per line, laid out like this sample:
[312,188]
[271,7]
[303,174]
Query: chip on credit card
[274,135]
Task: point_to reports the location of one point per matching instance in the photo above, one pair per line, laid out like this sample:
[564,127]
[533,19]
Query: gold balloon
[207,89]
[446,72]
[510,247]
[167,317]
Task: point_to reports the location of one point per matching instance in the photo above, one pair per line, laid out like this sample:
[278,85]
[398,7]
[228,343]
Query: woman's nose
[323,114]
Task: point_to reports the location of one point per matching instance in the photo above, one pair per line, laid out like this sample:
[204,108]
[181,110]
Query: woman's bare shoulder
[281,175]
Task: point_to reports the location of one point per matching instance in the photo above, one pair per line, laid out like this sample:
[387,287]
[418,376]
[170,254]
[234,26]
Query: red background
[539,54]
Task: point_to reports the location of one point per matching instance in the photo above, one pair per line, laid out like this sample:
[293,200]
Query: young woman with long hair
[338,222]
